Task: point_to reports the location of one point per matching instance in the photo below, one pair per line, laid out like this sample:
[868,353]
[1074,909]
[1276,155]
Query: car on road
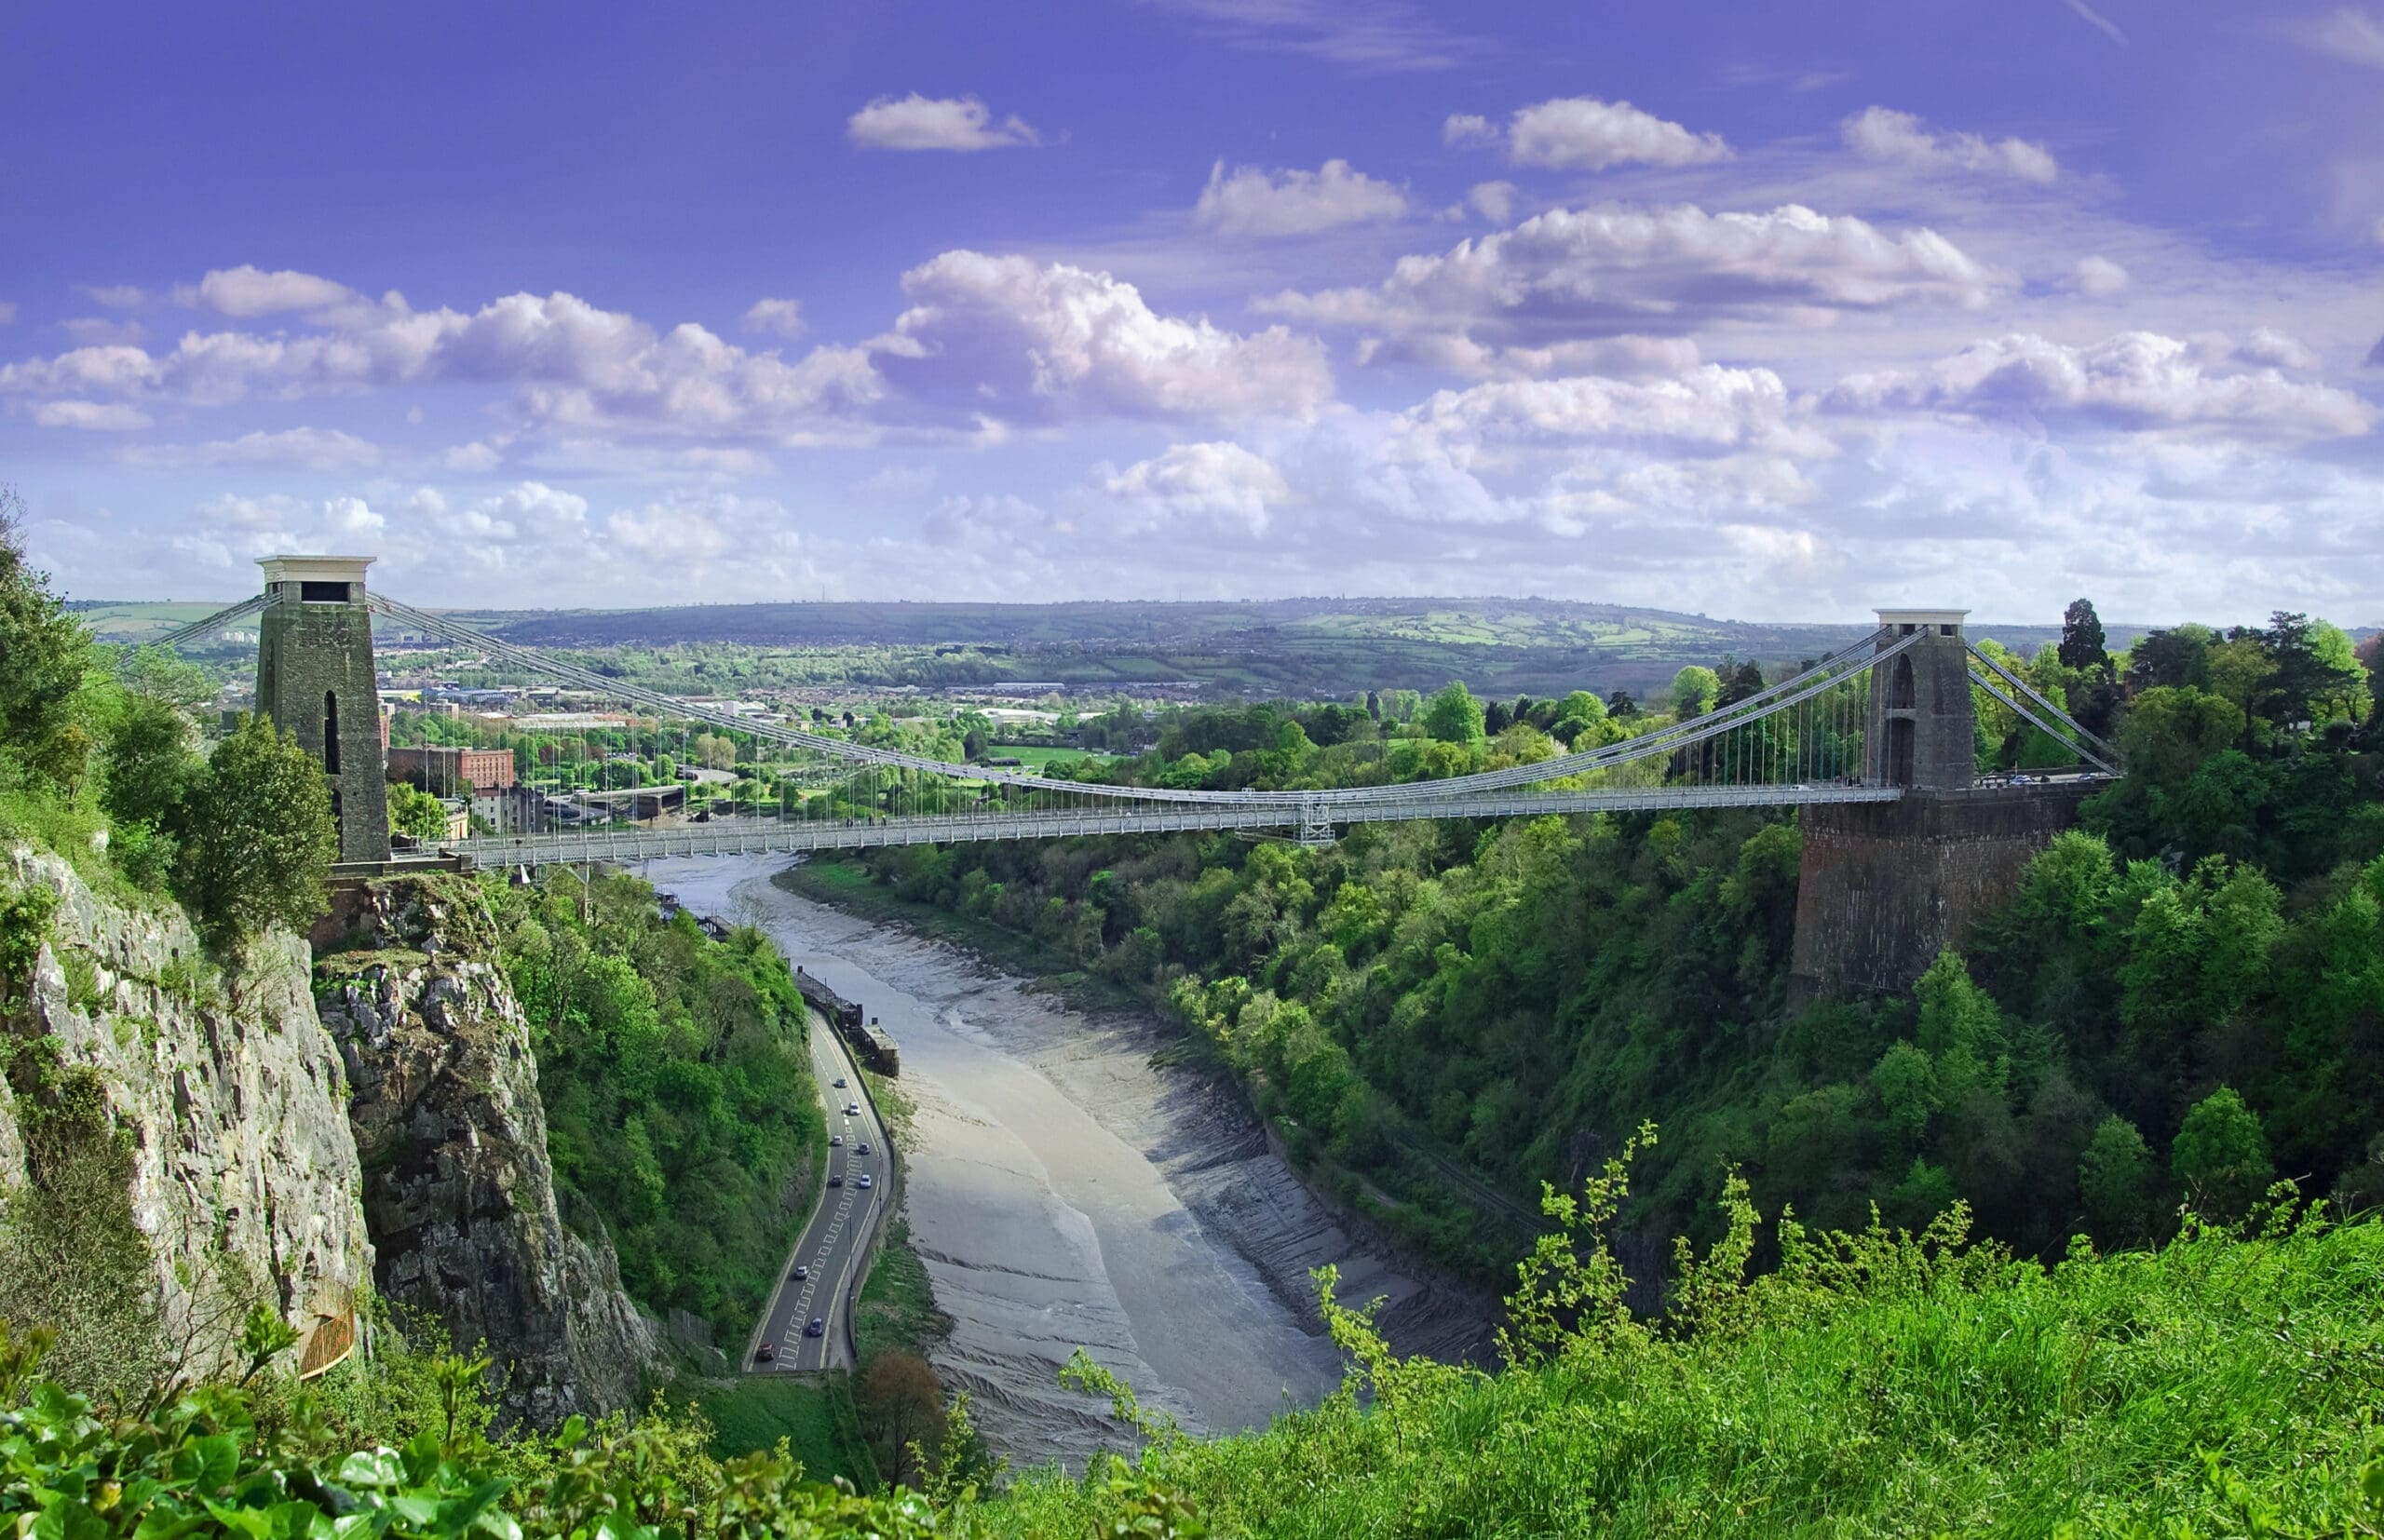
[817,1328]
[766,1353]
[864,1179]
[802,1271]
[835,1141]
[840,1081]
[836,1179]
[861,1148]
[852,1109]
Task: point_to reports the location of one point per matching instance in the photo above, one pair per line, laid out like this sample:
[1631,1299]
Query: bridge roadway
[738,836]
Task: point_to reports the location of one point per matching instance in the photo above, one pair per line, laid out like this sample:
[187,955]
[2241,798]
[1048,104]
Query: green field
[1040,755]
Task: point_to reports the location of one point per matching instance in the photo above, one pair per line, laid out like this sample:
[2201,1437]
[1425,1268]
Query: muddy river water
[1063,1191]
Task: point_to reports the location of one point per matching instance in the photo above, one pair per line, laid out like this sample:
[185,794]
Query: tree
[416,812]
[1907,1082]
[1621,704]
[2177,659]
[45,652]
[2172,730]
[900,1403]
[2081,638]
[2115,1178]
[1453,716]
[1695,689]
[149,763]
[2221,1158]
[261,839]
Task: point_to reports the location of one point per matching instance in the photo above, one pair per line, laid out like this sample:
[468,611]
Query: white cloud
[8,312]
[572,363]
[2097,21]
[1622,269]
[1624,357]
[1708,408]
[2098,277]
[776,318]
[91,416]
[101,330]
[1219,481]
[917,122]
[1584,133]
[2346,32]
[1010,336]
[1253,202]
[1469,129]
[247,291]
[2136,380]
[316,447]
[1381,36]
[1883,134]
[119,296]
[1493,200]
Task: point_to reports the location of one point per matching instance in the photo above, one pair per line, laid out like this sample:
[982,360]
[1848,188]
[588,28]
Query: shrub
[260,842]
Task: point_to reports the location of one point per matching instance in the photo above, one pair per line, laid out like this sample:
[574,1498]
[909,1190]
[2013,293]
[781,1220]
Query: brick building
[447,771]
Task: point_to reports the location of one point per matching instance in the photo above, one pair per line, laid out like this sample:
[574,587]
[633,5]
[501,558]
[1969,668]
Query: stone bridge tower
[315,679]
[1887,885]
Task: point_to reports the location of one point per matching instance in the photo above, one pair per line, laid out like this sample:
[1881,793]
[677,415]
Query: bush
[261,840]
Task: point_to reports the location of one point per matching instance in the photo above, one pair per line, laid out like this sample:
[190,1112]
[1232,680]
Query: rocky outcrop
[458,1189]
[245,1179]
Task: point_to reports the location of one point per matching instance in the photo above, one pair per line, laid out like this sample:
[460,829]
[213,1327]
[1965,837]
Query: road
[834,1245]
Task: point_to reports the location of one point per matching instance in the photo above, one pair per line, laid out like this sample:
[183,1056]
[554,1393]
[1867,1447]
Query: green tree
[2221,1158]
[1695,689]
[261,840]
[2081,638]
[2115,1178]
[1453,716]
[1907,1082]
[45,652]
[416,812]
[2172,730]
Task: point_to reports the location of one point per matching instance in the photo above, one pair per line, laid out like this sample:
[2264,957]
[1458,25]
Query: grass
[1970,1395]
[898,1302]
[1039,755]
[751,1412]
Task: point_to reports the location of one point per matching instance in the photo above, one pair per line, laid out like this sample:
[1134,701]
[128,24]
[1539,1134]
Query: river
[1063,1191]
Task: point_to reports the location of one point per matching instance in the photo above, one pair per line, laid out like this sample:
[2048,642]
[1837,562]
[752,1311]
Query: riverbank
[1064,1190]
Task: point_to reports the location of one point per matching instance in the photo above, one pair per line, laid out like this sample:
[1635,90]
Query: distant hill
[1320,647]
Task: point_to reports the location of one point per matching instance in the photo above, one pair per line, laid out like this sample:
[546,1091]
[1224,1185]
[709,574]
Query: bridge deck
[768,836]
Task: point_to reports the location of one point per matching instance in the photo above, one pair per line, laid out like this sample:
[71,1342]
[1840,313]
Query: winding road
[833,1249]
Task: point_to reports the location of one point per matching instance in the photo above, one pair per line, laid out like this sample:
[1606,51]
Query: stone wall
[307,652]
[1887,885]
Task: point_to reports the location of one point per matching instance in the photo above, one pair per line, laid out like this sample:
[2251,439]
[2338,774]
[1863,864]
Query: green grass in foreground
[750,1413]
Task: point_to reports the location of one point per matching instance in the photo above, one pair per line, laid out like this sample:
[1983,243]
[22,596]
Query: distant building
[447,771]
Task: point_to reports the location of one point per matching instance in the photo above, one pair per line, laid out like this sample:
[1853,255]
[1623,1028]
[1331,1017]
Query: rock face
[245,1175]
[458,1189]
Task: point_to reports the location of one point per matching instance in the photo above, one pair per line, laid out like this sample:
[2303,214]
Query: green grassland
[750,1413]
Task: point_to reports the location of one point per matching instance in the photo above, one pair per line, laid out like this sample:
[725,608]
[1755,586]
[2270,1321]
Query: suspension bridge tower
[1885,886]
[315,679]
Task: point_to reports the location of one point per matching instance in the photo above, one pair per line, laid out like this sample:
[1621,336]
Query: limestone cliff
[453,1137]
[244,1174]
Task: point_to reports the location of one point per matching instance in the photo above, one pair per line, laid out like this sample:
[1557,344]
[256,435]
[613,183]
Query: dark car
[840,1081]
[766,1353]
[802,1271]
[836,1179]
[817,1328]
[861,1148]
[704,816]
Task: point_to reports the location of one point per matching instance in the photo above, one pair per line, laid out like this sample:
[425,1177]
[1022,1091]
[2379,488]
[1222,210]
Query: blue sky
[1736,307]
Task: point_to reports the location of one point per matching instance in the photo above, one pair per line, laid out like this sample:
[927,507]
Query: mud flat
[1063,1193]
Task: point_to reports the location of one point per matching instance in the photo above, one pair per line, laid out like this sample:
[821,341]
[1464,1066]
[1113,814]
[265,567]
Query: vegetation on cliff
[681,1108]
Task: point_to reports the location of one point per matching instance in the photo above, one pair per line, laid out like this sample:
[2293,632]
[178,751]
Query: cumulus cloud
[1012,335]
[1619,268]
[571,362]
[91,416]
[2098,277]
[1469,129]
[1620,358]
[1707,408]
[776,318]
[1493,200]
[315,448]
[1883,134]
[247,291]
[2136,380]
[2346,32]
[1253,202]
[1585,133]
[917,122]
[1220,481]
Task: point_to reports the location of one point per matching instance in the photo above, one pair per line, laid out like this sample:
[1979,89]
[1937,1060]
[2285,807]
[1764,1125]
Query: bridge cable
[2056,733]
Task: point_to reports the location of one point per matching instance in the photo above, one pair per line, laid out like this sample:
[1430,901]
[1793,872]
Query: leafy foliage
[260,842]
